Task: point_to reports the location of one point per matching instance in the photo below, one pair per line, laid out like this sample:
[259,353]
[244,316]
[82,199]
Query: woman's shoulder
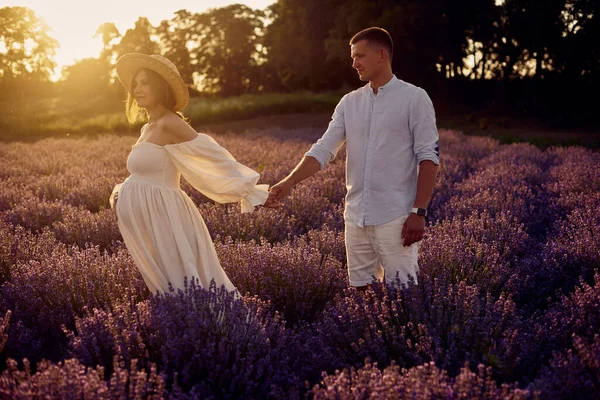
[176,128]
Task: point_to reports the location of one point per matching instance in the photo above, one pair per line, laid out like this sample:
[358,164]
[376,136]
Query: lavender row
[506,305]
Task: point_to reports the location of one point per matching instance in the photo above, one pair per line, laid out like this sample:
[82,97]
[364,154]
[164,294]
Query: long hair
[161,90]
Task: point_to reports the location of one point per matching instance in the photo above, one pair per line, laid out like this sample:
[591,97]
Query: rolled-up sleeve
[326,148]
[423,128]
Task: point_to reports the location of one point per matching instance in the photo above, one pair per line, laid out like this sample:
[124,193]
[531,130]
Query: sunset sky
[74,22]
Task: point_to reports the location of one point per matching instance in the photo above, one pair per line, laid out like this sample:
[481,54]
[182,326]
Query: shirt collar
[384,87]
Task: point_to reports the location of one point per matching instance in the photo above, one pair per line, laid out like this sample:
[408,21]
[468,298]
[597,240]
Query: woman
[161,226]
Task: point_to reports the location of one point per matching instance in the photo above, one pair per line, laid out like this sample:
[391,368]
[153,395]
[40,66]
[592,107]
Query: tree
[86,78]
[466,33]
[110,34]
[138,39]
[295,44]
[225,48]
[174,37]
[107,59]
[414,29]
[429,38]
[580,50]
[26,51]
[532,31]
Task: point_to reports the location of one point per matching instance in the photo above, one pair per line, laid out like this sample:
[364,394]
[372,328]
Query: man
[391,139]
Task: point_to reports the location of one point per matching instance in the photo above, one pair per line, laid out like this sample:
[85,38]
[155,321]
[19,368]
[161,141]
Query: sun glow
[74,22]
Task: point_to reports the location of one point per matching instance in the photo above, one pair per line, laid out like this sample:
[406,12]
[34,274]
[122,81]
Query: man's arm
[414,227]
[426,149]
[316,159]
[306,168]
[425,183]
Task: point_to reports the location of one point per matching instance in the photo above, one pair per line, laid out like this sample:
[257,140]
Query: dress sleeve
[214,172]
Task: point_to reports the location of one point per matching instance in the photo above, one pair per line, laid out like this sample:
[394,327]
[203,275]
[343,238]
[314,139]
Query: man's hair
[378,36]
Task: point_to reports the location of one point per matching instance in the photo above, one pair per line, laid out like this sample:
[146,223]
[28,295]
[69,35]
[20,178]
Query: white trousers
[375,252]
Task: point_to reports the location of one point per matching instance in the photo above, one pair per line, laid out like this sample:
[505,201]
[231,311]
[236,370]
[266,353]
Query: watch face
[422,212]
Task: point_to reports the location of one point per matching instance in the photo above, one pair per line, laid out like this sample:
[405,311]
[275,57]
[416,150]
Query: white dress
[161,226]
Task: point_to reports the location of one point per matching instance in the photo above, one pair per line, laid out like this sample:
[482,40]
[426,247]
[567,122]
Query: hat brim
[129,64]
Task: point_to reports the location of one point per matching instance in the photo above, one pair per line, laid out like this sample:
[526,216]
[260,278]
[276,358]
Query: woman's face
[142,91]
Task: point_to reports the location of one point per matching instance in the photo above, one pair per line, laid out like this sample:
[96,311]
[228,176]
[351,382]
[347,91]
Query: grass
[39,118]
[507,130]
[543,139]
[36,119]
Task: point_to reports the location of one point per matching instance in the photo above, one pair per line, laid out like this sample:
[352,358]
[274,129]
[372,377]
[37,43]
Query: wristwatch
[419,211]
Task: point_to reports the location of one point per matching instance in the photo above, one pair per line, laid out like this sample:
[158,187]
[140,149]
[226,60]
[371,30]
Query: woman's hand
[115,205]
[277,193]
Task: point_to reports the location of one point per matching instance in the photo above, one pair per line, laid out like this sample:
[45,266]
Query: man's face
[366,60]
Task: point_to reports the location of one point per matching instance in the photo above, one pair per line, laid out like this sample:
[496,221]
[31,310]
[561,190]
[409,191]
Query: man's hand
[413,229]
[307,167]
[277,193]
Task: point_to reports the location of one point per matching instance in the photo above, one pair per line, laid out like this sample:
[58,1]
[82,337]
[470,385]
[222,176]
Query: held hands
[277,193]
[413,229]
[306,168]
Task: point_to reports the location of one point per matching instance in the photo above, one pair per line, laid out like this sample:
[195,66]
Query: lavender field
[507,303]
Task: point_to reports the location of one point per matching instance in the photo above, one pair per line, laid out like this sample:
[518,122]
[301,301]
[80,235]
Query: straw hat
[129,63]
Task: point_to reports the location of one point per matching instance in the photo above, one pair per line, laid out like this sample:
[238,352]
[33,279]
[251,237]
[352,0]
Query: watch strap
[419,211]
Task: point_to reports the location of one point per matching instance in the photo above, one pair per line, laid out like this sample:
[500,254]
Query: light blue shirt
[387,135]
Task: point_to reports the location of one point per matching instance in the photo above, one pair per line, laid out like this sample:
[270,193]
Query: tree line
[520,57]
